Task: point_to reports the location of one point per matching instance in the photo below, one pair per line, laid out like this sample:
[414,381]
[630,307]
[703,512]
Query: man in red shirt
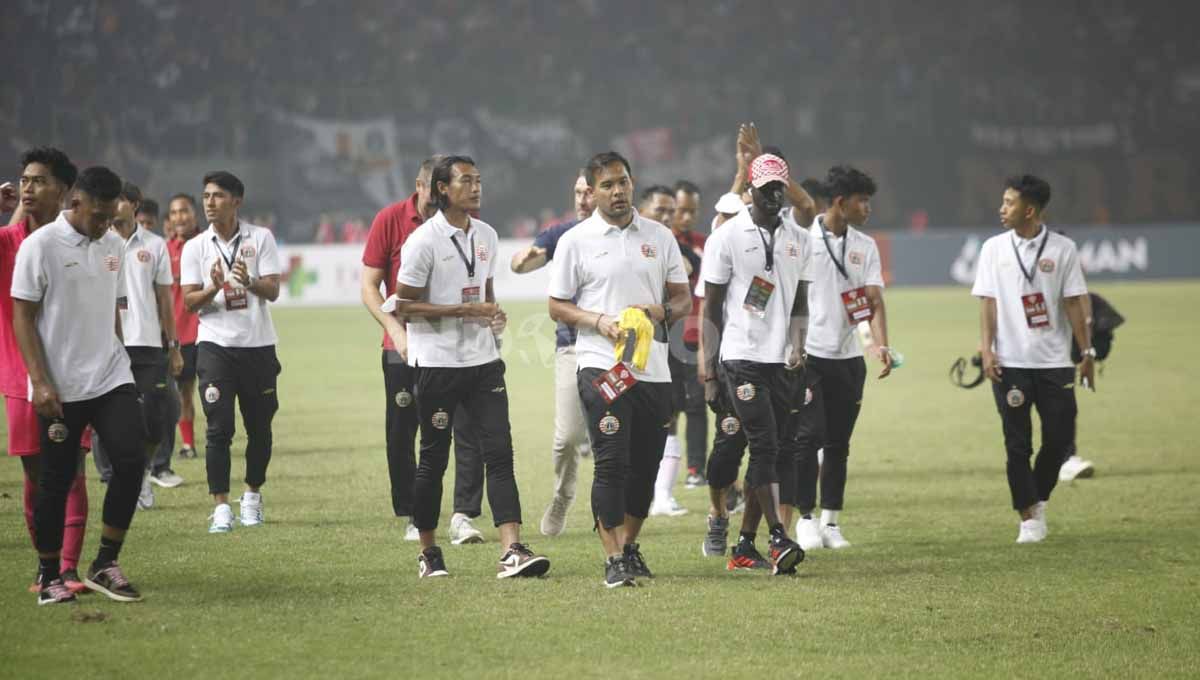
[181,220]
[381,265]
[46,177]
[685,336]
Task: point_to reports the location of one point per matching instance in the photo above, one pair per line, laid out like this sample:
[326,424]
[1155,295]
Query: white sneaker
[1075,468]
[669,507]
[167,479]
[222,519]
[555,519]
[808,534]
[831,537]
[410,530]
[146,496]
[1032,531]
[252,509]
[461,531]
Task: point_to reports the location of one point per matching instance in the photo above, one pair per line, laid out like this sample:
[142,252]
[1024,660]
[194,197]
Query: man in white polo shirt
[444,291]
[147,317]
[229,274]
[847,289]
[756,314]
[65,287]
[1033,300]
[615,263]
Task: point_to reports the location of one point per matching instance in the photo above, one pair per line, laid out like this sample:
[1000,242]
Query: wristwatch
[1089,352]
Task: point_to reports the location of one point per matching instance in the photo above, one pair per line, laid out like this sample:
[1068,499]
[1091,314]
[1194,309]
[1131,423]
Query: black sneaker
[55,592]
[520,561]
[745,557]
[785,555]
[431,563]
[616,573]
[635,562]
[110,581]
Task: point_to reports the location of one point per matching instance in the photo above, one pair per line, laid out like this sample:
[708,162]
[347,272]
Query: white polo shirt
[146,265]
[438,256]
[610,269]
[247,327]
[1057,274]
[739,257]
[77,280]
[830,333]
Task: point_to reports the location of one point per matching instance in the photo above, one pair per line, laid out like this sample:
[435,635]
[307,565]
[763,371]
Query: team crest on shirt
[855,257]
[57,432]
[247,251]
[1046,265]
[143,256]
[212,394]
[112,263]
[404,399]
[745,392]
[649,251]
[609,425]
[792,249]
[1015,398]
[440,419]
[481,252]
[730,425]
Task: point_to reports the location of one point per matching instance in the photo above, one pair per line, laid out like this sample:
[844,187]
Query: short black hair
[843,181]
[775,151]
[603,160]
[1033,189]
[227,181]
[656,189]
[60,166]
[148,206]
[100,183]
[686,187]
[187,197]
[815,188]
[130,192]
[441,173]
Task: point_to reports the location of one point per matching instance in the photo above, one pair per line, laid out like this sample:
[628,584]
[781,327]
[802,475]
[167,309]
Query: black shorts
[188,374]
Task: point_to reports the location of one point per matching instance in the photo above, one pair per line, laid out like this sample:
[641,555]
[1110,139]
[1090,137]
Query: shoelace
[113,571]
[58,590]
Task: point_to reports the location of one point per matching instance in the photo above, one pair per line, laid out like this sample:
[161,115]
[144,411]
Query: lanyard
[1032,271]
[228,259]
[841,266]
[769,250]
[463,256]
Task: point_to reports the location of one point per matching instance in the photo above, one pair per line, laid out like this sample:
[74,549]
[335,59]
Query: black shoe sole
[788,560]
[92,585]
[538,566]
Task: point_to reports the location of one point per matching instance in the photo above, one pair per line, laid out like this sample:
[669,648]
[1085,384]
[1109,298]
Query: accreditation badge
[757,295]
[123,303]
[614,382]
[1036,315]
[235,297]
[858,308]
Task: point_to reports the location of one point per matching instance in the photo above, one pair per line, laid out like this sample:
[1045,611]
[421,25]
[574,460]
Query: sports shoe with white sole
[616,573]
[251,514]
[519,560]
[222,519]
[110,581]
[431,563]
[1075,468]
[462,532]
[635,564]
[167,479]
[784,554]
[1031,531]
[54,592]
[555,518]
[831,537]
[808,533]
[717,538]
[668,507]
[146,495]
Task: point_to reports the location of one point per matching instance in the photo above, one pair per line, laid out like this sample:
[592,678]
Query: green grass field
[934,584]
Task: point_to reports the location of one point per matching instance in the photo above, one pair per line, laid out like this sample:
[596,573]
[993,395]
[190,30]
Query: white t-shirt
[146,264]
[431,259]
[610,269]
[1057,274]
[78,281]
[830,333]
[250,326]
[736,259]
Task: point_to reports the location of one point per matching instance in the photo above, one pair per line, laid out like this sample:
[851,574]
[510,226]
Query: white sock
[668,469]
[829,517]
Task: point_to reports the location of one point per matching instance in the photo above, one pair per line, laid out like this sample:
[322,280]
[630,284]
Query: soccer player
[381,263]
[685,338]
[611,264]
[230,272]
[756,313]
[46,179]
[147,215]
[147,318]
[444,290]
[65,287]
[1031,290]
[181,217]
[847,289]
[570,431]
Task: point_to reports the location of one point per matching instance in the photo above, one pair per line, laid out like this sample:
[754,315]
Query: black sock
[777,531]
[746,537]
[109,549]
[48,569]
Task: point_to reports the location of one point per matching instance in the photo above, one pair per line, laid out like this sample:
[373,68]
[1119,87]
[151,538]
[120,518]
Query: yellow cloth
[636,320]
